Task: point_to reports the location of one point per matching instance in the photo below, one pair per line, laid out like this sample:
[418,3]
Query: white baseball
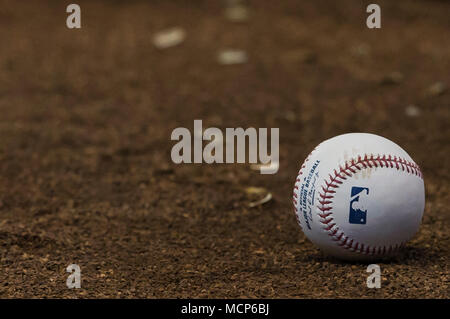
[359,196]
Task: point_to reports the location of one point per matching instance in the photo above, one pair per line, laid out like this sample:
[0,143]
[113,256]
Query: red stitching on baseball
[325,215]
[325,202]
[326,221]
[328,228]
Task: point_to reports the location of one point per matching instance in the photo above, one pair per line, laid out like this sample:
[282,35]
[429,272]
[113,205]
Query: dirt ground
[85,122]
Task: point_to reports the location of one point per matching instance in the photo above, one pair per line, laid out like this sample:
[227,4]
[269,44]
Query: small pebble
[412,111]
[255,190]
[169,38]
[230,57]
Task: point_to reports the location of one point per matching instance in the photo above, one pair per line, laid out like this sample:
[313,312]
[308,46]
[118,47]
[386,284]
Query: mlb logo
[358,210]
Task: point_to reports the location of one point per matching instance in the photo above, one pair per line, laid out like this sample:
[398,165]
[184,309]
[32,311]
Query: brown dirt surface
[85,123]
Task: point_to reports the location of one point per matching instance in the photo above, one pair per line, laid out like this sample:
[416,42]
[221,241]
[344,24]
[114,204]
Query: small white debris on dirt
[266,199]
[255,190]
[169,38]
[258,191]
[412,111]
[231,56]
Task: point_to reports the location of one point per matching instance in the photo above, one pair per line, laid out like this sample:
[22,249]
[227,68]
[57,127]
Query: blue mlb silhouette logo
[358,210]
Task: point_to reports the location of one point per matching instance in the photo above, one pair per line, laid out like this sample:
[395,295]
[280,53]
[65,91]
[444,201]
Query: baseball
[359,196]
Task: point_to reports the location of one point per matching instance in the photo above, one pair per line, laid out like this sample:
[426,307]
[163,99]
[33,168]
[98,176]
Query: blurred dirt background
[85,123]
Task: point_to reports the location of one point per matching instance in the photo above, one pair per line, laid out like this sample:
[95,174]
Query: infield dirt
[85,123]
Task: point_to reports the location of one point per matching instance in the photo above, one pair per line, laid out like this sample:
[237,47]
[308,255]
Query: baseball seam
[330,185]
